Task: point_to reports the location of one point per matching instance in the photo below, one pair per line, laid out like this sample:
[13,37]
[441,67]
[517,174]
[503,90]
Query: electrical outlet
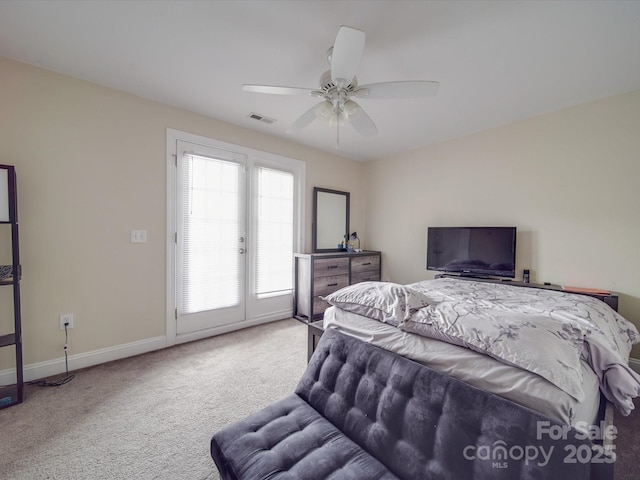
[66,318]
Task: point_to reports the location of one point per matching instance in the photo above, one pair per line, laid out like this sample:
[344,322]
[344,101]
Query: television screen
[473,251]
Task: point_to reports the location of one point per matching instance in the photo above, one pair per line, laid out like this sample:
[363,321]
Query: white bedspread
[481,371]
[543,331]
[572,344]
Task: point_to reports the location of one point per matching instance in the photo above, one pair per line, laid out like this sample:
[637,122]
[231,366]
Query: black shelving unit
[11,394]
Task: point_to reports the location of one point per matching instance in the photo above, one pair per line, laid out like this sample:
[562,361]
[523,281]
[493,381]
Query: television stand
[610,298]
[468,276]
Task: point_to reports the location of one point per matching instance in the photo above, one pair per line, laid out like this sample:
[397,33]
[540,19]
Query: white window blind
[211,232]
[274,231]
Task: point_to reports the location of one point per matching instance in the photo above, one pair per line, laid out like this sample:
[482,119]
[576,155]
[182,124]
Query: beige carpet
[151,416]
[628,444]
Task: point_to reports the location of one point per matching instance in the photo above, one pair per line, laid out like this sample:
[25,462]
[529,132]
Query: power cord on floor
[67,378]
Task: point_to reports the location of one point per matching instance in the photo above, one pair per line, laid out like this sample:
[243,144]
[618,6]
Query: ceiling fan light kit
[339,84]
[324,110]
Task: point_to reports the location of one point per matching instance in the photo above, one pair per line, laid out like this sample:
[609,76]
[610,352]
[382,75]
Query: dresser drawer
[365,264]
[327,285]
[329,267]
[319,306]
[372,276]
[318,275]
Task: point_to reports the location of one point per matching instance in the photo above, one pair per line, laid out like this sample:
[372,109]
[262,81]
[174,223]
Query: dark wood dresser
[319,274]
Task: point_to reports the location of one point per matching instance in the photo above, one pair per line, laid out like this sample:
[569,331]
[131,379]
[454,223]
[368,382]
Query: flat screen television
[472,251]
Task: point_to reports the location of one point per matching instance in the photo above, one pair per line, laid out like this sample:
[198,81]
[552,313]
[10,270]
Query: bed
[554,352]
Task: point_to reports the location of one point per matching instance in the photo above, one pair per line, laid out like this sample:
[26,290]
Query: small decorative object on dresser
[319,274]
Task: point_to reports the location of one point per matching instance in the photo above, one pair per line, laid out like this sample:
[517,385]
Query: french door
[233,226]
[211,237]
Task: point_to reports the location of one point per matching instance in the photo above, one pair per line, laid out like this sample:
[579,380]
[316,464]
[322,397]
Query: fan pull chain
[337,130]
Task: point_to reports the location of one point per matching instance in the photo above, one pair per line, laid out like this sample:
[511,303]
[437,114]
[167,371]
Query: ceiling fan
[339,84]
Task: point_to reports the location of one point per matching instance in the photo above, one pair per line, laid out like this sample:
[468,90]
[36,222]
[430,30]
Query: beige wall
[91,166]
[568,180]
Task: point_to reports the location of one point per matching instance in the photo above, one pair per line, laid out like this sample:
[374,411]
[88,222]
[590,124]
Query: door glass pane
[274,228]
[211,232]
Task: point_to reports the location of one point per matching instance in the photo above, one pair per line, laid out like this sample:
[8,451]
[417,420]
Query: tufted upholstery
[289,440]
[364,413]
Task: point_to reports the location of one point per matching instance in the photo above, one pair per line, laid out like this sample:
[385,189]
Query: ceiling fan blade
[410,89]
[347,54]
[359,119]
[279,90]
[305,119]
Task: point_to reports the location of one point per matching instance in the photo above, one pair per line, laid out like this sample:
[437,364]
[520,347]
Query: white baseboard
[635,364]
[40,370]
[36,371]
[49,368]
[251,322]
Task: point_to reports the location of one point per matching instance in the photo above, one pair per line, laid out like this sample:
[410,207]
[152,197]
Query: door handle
[242,250]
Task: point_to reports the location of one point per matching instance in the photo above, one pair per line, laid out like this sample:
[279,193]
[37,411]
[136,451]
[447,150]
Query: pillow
[383,301]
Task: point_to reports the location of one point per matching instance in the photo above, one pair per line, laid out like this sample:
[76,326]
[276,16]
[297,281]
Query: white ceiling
[497,61]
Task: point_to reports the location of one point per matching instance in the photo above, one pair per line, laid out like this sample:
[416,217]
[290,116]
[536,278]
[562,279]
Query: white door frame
[253,316]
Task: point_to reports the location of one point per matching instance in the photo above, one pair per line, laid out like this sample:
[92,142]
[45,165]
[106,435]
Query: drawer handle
[332,266]
[368,263]
[332,285]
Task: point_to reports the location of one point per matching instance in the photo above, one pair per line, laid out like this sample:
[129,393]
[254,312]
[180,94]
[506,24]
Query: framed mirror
[330,219]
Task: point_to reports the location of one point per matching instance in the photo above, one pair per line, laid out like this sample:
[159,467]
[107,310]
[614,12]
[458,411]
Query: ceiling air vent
[261,118]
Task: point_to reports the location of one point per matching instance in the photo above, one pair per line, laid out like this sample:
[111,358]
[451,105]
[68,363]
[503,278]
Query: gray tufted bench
[360,412]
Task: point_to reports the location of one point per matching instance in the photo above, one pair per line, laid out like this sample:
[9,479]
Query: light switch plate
[138,236]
